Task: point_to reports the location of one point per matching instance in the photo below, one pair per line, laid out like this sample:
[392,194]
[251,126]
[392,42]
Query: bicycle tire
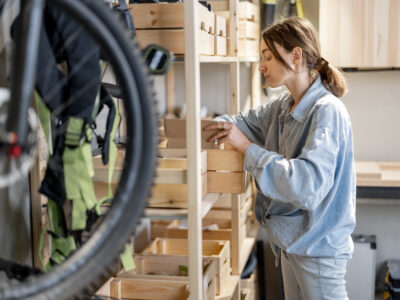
[82,274]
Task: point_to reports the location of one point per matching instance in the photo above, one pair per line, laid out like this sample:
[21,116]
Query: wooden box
[177,230]
[171,182]
[224,232]
[226,214]
[248,24]
[140,289]
[162,267]
[163,24]
[218,251]
[224,167]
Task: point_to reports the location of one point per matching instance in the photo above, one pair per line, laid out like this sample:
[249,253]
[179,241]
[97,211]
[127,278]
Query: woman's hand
[228,133]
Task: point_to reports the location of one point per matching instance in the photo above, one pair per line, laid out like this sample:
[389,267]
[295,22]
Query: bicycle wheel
[88,267]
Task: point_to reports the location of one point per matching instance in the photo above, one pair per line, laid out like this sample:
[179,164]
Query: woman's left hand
[228,133]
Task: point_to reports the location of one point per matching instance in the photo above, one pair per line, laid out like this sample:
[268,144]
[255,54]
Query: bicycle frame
[24,70]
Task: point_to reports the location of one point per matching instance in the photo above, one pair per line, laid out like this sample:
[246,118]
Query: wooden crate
[248,286]
[248,24]
[144,289]
[218,251]
[224,167]
[171,182]
[161,267]
[175,131]
[246,206]
[224,232]
[163,24]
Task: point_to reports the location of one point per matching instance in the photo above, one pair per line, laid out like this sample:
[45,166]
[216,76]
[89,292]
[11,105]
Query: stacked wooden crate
[224,166]
[216,251]
[163,24]
[249,25]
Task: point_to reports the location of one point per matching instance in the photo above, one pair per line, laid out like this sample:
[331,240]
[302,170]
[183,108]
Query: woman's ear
[297,58]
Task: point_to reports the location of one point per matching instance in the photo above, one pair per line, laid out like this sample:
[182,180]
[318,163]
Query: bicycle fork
[23,75]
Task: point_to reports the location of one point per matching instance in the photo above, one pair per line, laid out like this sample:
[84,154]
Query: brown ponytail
[297,32]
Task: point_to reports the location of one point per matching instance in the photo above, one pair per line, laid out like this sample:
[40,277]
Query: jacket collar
[315,92]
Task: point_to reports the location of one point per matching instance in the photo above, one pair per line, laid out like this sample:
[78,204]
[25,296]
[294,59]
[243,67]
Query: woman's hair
[297,32]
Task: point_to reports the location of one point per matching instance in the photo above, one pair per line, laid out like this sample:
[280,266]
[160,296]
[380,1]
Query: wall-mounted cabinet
[360,33]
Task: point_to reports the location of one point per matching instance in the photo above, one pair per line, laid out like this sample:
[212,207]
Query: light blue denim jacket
[303,165]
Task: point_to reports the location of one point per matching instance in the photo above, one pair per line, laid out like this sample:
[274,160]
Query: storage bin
[168,268]
[218,251]
[163,24]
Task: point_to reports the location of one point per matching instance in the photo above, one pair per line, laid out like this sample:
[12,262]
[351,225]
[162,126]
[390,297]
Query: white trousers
[313,278]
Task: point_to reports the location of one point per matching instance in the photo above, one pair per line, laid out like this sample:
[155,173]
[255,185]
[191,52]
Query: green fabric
[127,259]
[56,218]
[78,173]
[74,131]
[44,117]
[112,150]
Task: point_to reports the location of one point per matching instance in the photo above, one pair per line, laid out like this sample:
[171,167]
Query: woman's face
[275,73]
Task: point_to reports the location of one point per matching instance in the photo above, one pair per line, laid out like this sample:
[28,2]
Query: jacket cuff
[251,157]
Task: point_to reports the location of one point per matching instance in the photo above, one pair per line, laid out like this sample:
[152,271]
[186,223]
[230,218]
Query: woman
[299,149]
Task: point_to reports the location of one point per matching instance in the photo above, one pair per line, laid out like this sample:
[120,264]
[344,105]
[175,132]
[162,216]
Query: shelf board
[181,213]
[229,291]
[247,247]
[249,59]
[218,59]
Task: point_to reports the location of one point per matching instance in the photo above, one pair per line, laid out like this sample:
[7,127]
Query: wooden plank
[170,89]
[226,182]
[115,289]
[368,169]
[39,216]
[153,289]
[193,126]
[160,213]
[246,248]
[236,235]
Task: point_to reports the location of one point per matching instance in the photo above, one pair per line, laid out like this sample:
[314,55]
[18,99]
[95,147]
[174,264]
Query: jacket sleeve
[306,180]
[253,124]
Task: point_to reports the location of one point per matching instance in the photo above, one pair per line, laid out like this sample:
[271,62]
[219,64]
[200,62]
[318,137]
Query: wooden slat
[368,169]
[153,289]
